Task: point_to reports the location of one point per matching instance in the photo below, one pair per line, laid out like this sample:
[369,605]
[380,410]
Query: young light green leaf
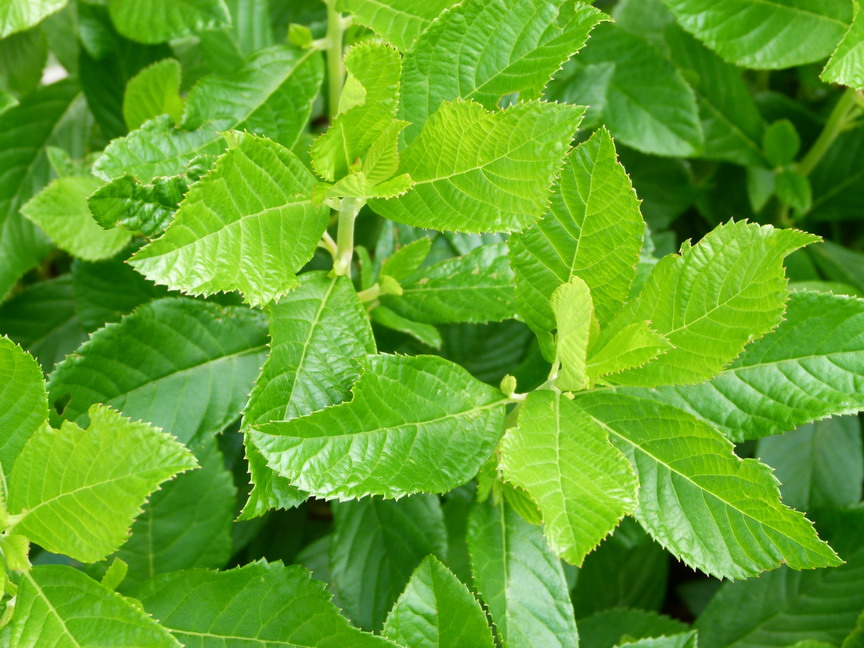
[148,364]
[424,333]
[456,58]
[846,65]
[359,185]
[398,21]
[63,478]
[415,424]
[261,603]
[316,334]
[23,401]
[18,15]
[574,313]
[481,171]
[766,34]
[477,287]
[142,208]
[405,260]
[609,627]
[712,510]
[61,606]
[631,347]
[252,241]
[594,230]
[376,546]
[563,459]
[520,580]
[154,91]
[61,210]
[436,609]
[155,21]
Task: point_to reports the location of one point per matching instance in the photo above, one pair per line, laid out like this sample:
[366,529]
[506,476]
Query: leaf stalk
[841,117]
[335,63]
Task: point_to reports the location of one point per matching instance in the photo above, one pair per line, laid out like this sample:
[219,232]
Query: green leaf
[316,334]
[766,34]
[631,347]
[18,15]
[574,314]
[255,241]
[141,208]
[794,189]
[839,264]
[563,459]
[437,610]
[154,91]
[847,62]
[424,333]
[376,547]
[683,640]
[477,287]
[405,260]
[781,142]
[268,604]
[398,21]
[63,478]
[806,370]
[481,171]
[856,637]
[455,58]
[155,21]
[64,607]
[710,300]
[61,210]
[23,401]
[415,424]
[715,512]
[785,606]
[270,94]
[520,580]
[819,465]
[609,627]
[594,231]
[147,366]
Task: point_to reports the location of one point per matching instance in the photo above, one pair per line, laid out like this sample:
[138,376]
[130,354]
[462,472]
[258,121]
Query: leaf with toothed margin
[574,317]
[683,640]
[18,15]
[846,65]
[398,21]
[415,424]
[155,21]
[63,480]
[23,401]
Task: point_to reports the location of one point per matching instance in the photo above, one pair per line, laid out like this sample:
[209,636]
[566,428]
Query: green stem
[335,63]
[844,112]
[348,210]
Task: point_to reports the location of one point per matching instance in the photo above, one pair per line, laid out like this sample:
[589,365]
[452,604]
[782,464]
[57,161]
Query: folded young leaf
[766,35]
[482,50]
[252,241]
[477,287]
[630,347]
[399,21]
[415,424]
[405,260]
[426,334]
[23,401]
[714,511]
[141,208]
[61,606]
[261,603]
[18,15]
[154,91]
[846,65]
[63,478]
[316,335]
[436,609]
[520,580]
[155,21]
[481,171]
[574,315]
[563,459]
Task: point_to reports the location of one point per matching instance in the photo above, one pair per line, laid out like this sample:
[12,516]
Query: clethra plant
[339,324]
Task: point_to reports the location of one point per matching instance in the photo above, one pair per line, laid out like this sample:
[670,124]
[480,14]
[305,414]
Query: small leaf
[794,190]
[574,312]
[18,15]
[781,142]
[155,21]
[630,348]
[423,333]
[23,401]
[406,259]
[608,628]
[154,91]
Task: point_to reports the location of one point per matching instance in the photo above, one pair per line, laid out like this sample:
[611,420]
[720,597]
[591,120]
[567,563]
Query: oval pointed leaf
[23,401]
[155,21]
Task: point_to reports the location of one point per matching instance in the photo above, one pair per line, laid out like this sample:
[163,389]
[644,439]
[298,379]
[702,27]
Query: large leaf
[79,490]
[61,606]
[259,604]
[456,58]
[254,240]
[846,65]
[376,546]
[437,610]
[399,21]
[415,424]
[149,365]
[18,15]
[23,401]
[481,171]
[520,580]
[713,511]
[766,34]
[563,459]
[316,334]
[154,21]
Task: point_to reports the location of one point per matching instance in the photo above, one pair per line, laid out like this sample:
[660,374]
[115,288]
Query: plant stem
[348,210]
[335,64]
[844,112]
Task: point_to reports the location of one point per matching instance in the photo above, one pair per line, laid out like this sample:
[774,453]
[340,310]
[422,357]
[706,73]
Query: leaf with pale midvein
[436,609]
[481,171]
[477,287]
[712,510]
[79,490]
[574,312]
[63,607]
[593,230]
[809,368]
[270,94]
[154,91]
[846,65]
[23,401]
[631,347]
[563,459]
[482,50]
[398,21]
[155,21]
[415,424]
[254,240]
[766,34]
[18,15]
[519,579]
[710,300]
[316,335]
[149,364]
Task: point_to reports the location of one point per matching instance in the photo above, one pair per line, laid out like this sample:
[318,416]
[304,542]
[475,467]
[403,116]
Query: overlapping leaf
[154,91]
[847,62]
[23,401]
[399,21]
[154,21]
[18,15]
